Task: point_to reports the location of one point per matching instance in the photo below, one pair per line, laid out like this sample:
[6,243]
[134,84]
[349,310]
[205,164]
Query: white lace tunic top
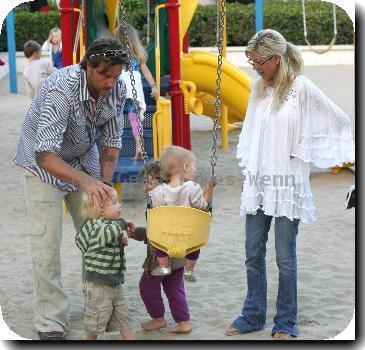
[309,127]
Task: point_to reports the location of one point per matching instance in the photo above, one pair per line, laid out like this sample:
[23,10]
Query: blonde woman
[289,124]
[138,61]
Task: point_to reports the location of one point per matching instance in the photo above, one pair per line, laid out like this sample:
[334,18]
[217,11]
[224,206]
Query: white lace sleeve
[325,137]
[246,132]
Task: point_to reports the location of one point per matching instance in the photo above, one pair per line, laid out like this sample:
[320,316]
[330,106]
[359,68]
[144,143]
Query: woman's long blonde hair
[134,43]
[267,43]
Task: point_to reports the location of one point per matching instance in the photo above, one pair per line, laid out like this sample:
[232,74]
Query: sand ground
[325,249]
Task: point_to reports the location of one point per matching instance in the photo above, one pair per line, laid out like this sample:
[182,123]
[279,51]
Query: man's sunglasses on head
[110,53]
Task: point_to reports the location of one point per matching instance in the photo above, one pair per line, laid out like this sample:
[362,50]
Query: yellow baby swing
[179,230]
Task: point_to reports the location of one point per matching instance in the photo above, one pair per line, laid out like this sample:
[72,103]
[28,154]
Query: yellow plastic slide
[112,11]
[200,67]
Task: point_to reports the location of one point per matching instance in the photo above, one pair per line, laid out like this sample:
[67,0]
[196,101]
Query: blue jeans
[254,309]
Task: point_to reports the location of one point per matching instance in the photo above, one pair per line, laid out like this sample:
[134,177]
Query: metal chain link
[221,18]
[133,83]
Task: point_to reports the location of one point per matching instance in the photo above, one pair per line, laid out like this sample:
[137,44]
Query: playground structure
[186,81]
[188,78]
[191,86]
[197,68]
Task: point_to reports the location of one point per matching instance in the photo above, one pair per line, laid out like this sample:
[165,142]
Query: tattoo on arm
[106,157]
[40,157]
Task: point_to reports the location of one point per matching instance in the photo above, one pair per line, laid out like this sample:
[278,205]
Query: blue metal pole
[10,31]
[259,15]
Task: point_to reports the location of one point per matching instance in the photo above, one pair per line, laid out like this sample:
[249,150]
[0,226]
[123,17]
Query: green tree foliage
[286,17]
[30,26]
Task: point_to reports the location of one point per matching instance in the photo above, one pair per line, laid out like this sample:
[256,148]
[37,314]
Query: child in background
[138,62]
[178,166]
[36,70]
[101,240]
[54,46]
[150,286]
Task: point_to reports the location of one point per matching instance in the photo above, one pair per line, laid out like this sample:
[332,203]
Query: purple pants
[173,286]
[134,124]
[191,256]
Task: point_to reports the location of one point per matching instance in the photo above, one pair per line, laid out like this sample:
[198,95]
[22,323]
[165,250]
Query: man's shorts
[105,309]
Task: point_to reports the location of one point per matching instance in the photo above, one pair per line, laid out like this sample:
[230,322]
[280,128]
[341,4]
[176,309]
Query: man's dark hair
[30,47]
[100,46]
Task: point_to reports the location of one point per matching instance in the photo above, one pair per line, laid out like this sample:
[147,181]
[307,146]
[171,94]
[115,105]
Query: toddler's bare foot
[181,327]
[155,323]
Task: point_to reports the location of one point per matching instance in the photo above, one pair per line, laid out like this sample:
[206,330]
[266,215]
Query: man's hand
[96,191]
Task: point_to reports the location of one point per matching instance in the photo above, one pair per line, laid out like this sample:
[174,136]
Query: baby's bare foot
[181,327]
[155,323]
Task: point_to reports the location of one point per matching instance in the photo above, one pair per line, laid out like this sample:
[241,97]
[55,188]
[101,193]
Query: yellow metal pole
[64,207]
[118,187]
[154,130]
[166,117]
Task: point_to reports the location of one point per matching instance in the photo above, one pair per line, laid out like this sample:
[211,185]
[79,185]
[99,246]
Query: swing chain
[133,83]
[221,18]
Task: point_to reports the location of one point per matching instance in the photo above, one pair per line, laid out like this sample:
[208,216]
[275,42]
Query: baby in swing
[178,167]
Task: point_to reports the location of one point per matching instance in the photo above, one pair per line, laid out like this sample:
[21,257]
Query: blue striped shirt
[60,120]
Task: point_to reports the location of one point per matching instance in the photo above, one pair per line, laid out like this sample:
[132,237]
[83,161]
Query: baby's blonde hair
[134,42]
[173,159]
[92,210]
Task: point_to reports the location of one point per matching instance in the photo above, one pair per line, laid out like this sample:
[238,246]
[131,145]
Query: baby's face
[112,210]
[152,183]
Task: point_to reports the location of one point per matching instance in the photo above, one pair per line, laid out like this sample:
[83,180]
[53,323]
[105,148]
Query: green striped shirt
[99,241]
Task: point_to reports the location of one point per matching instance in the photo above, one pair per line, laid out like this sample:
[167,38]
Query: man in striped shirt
[58,152]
